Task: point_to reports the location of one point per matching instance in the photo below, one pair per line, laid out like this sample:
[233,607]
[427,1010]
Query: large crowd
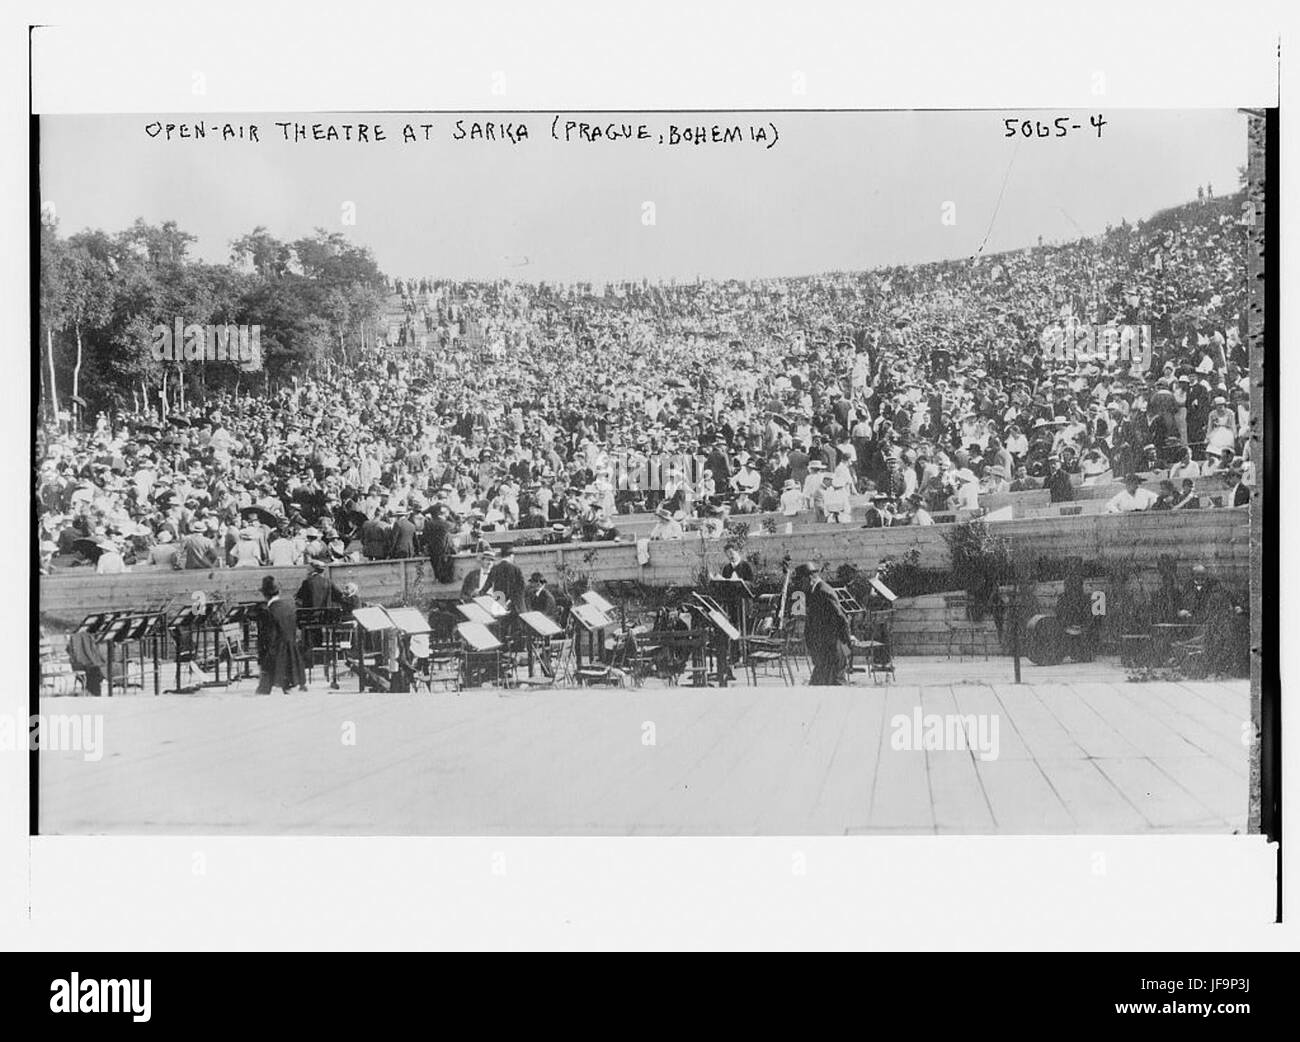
[881,397]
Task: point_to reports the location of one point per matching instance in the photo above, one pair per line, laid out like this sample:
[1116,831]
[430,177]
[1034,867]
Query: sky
[838,190]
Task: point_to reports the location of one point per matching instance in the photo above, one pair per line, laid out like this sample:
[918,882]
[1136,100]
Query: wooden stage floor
[1079,750]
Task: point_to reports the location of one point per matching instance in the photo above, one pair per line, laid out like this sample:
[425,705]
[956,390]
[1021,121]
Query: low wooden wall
[1087,498]
[1218,538]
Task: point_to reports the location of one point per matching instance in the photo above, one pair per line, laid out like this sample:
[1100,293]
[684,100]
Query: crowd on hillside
[867,398]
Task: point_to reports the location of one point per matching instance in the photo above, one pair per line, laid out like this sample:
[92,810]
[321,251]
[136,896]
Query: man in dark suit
[438,544]
[401,538]
[475,582]
[1058,482]
[507,579]
[1238,494]
[799,461]
[719,463]
[538,598]
[316,590]
[737,567]
[279,654]
[826,628]
[374,539]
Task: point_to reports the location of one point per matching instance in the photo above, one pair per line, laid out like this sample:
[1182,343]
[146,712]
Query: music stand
[494,608]
[410,622]
[155,632]
[95,621]
[592,622]
[475,613]
[540,629]
[734,593]
[850,604]
[724,632]
[478,637]
[625,590]
[883,590]
[192,625]
[242,615]
[370,620]
[482,655]
[597,601]
[124,629]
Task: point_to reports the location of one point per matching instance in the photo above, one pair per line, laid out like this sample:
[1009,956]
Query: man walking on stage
[279,654]
[826,627]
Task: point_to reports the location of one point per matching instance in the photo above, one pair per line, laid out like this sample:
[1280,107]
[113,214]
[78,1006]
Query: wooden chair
[765,653]
[442,665]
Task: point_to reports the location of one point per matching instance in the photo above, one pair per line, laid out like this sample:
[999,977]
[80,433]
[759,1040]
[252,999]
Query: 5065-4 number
[1058,127]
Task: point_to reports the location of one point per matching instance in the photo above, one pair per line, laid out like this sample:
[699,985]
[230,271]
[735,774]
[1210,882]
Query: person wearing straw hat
[792,500]
[967,492]
[475,583]
[248,551]
[110,560]
[163,554]
[666,527]
[835,501]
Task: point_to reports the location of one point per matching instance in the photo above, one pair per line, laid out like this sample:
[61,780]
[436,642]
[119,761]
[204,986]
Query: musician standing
[737,567]
[475,583]
[507,579]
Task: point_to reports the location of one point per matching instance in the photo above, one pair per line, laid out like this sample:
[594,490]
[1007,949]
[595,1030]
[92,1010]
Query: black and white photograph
[726,478]
[719,473]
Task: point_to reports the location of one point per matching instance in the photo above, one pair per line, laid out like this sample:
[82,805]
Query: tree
[88,298]
[52,299]
[267,255]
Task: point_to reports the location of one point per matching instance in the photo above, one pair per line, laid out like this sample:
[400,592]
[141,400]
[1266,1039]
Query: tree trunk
[162,396]
[76,369]
[54,391]
[180,389]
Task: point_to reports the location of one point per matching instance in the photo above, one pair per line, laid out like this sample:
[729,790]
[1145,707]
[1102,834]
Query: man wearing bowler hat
[826,627]
[537,597]
[279,654]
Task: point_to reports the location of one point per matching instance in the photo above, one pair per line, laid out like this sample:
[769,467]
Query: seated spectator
[666,527]
[1132,497]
